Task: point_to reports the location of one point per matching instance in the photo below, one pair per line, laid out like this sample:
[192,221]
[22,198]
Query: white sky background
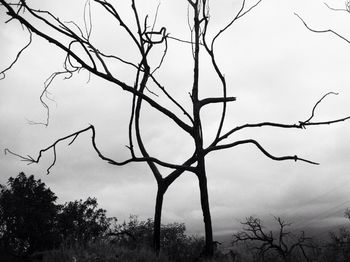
[275,67]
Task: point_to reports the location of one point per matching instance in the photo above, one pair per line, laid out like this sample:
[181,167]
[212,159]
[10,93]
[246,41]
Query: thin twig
[261,148]
[322,31]
[2,73]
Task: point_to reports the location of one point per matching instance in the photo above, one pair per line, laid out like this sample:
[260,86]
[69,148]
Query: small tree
[27,216]
[79,222]
[281,243]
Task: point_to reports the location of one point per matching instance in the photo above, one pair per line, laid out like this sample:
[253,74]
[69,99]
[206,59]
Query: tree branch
[74,135]
[107,76]
[322,31]
[339,9]
[2,73]
[214,100]
[300,125]
[261,148]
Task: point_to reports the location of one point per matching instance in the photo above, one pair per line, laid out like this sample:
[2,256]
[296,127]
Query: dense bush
[27,216]
[175,243]
[82,221]
[31,221]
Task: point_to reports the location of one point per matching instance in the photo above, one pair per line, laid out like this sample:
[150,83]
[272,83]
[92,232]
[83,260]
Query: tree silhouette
[337,247]
[79,222]
[177,245]
[27,216]
[281,243]
[147,39]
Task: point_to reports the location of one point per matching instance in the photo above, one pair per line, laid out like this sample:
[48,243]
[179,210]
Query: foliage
[175,243]
[101,251]
[31,221]
[27,215]
[104,251]
[81,222]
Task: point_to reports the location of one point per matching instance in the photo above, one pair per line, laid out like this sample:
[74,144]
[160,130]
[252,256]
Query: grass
[106,252]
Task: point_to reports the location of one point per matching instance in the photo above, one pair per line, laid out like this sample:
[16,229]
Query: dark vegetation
[33,227]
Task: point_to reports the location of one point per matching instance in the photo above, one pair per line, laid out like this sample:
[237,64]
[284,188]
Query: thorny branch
[300,125]
[260,147]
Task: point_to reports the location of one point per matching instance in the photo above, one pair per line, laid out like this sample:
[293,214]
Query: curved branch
[110,8]
[107,76]
[322,31]
[339,9]
[137,109]
[211,53]
[74,135]
[261,148]
[318,102]
[300,125]
[2,73]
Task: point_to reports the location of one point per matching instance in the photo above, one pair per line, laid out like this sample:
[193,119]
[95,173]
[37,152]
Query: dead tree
[281,242]
[145,38]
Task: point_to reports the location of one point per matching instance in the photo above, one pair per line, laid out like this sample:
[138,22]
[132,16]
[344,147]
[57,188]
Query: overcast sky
[275,67]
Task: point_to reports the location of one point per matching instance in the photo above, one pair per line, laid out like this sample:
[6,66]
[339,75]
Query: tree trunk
[157,218]
[209,247]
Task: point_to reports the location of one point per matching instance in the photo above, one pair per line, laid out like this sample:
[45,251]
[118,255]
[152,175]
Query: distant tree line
[31,222]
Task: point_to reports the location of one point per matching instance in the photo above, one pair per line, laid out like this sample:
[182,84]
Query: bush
[136,234]
[31,221]
[79,222]
[27,216]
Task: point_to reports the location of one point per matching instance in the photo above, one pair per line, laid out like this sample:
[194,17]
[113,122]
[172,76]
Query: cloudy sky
[275,67]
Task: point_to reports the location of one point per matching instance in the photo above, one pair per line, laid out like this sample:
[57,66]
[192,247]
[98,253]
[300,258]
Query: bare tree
[146,37]
[281,242]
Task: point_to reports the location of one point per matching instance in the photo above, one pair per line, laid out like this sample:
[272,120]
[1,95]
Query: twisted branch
[322,31]
[73,136]
[2,73]
[300,125]
[260,147]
